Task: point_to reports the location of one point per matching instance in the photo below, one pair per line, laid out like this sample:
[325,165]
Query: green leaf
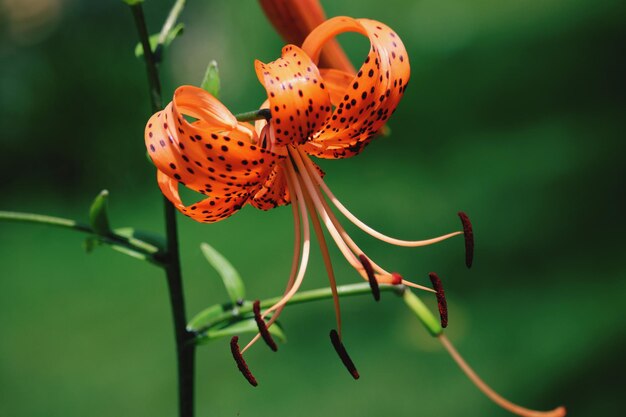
[130,252]
[239,327]
[205,317]
[154,39]
[133,2]
[90,244]
[98,217]
[422,312]
[211,80]
[150,242]
[232,281]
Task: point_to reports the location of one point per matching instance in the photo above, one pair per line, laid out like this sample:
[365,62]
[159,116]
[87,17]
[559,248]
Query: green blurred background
[514,114]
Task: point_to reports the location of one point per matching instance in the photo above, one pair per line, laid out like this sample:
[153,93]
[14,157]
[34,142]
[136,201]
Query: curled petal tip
[241,363]
[263,330]
[469,238]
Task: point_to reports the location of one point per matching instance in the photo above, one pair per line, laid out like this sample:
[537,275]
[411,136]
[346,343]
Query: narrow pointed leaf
[152,243]
[90,244]
[232,281]
[205,317]
[422,312]
[130,252]
[154,39]
[98,216]
[240,327]
[211,81]
[133,2]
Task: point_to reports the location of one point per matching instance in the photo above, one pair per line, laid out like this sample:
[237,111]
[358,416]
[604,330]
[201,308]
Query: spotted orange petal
[213,155]
[369,98]
[298,98]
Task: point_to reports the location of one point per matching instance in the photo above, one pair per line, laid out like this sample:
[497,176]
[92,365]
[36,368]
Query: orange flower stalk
[327,113]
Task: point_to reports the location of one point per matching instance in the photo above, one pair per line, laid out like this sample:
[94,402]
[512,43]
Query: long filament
[327,262]
[306,247]
[490,393]
[393,241]
[385,275]
[308,183]
[297,242]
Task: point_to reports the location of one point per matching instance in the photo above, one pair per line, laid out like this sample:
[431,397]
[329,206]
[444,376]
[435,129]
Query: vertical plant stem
[167,27]
[185,348]
[153,74]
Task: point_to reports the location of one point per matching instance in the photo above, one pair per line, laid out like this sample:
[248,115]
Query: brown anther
[468,233]
[343,354]
[241,363]
[369,270]
[263,330]
[441,299]
[396,278]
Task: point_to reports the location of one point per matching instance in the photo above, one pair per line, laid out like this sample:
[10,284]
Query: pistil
[490,393]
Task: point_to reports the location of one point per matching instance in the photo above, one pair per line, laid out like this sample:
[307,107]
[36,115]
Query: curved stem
[185,351]
[146,250]
[254,115]
[167,27]
[490,393]
[151,68]
[299,298]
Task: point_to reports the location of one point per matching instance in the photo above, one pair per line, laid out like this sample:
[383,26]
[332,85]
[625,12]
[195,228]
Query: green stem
[149,251]
[185,351]
[254,115]
[167,27]
[153,74]
[298,298]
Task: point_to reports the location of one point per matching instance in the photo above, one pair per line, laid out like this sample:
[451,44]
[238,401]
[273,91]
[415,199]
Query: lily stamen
[369,270]
[263,329]
[327,262]
[343,354]
[367,229]
[241,363]
[306,170]
[294,283]
[441,299]
[468,233]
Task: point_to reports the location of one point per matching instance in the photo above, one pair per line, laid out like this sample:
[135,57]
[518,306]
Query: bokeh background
[515,114]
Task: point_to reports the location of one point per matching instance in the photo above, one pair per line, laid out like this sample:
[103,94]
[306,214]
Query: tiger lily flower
[326,113]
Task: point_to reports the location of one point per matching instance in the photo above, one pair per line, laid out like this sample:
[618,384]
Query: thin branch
[151,251]
[298,298]
[167,28]
[153,74]
[254,115]
[185,352]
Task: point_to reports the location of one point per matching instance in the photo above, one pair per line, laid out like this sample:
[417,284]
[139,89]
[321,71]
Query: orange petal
[295,19]
[212,155]
[298,99]
[273,192]
[210,210]
[369,98]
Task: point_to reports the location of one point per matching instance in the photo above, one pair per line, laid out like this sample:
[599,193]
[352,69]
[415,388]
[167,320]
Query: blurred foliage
[515,114]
